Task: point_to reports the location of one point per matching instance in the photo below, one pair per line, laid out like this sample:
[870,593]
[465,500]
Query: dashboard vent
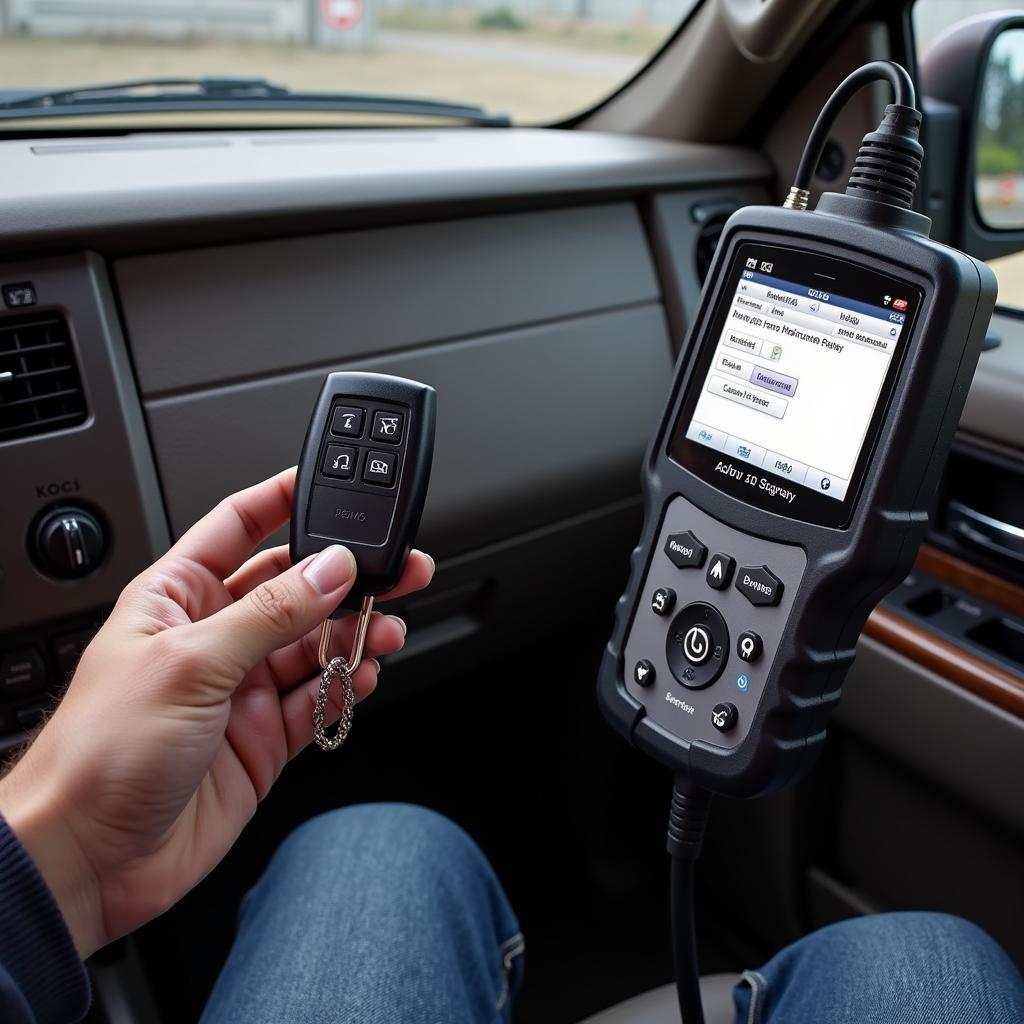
[40,386]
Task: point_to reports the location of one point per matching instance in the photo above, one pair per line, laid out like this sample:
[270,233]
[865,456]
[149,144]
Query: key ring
[344,670]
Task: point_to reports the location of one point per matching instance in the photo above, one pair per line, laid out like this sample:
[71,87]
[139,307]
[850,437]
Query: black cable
[878,70]
[684,941]
[688,818]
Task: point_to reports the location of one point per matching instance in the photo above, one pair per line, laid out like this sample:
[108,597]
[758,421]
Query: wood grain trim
[972,579]
[990,682]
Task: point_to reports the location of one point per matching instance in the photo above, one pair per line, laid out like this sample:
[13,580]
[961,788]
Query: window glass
[536,60]
[932,17]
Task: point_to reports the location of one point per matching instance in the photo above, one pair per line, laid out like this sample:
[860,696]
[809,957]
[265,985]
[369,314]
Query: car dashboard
[189,292]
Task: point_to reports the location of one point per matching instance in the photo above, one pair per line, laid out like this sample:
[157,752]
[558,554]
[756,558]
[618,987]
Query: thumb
[281,610]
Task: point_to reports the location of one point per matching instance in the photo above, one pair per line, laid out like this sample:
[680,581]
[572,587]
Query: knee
[913,937]
[372,843]
[886,967]
[945,960]
[934,931]
[954,941]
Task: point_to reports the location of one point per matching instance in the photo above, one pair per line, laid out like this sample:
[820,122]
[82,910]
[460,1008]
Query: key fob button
[379,468]
[339,462]
[387,426]
[347,421]
[346,515]
[663,600]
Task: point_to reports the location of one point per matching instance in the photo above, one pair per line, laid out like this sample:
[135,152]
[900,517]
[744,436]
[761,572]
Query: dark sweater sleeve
[42,980]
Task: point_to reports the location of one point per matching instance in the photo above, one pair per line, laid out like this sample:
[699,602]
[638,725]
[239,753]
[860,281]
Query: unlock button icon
[339,462]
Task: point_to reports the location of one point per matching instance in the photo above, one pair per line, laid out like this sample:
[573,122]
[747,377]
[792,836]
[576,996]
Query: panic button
[759,585]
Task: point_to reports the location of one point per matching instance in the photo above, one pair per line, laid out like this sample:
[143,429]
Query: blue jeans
[389,914]
[375,914]
[887,969]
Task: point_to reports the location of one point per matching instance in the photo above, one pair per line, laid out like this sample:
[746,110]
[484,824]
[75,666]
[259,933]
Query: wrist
[33,810]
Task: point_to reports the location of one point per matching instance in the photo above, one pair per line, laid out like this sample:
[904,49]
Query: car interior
[175,288]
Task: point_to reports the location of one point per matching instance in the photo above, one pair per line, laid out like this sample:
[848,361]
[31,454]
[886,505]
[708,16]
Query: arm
[42,981]
[182,713]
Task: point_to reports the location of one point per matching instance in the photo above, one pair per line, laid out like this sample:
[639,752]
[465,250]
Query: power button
[697,645]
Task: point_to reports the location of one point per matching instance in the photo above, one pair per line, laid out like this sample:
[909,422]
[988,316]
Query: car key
[362,480]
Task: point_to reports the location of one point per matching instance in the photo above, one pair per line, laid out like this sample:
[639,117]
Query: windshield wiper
[178,95]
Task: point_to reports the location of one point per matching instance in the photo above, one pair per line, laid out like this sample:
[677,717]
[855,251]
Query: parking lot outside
[538,61]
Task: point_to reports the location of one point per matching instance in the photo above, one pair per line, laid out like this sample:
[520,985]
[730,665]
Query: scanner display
[792,379]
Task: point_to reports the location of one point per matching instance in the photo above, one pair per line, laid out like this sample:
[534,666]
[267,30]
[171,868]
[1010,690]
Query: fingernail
[401,622]
[331,569]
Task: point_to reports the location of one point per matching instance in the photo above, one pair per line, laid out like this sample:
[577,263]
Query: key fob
[363,475]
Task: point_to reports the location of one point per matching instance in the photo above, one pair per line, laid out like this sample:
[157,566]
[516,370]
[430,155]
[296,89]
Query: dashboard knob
[68,543]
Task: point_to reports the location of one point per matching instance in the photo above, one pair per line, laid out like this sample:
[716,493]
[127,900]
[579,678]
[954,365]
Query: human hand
[182,713]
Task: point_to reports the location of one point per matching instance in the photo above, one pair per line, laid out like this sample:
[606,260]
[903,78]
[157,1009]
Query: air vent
[40,386]
[711,217]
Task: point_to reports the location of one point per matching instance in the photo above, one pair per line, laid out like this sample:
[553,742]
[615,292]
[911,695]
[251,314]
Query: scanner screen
[794,371]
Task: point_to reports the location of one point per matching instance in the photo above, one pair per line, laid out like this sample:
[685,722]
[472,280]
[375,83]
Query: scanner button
[720,571]
[696,645]
[749,646]
[759,585]
[685,551]
[643,673]
[663,601]
[339,462]
[723,716]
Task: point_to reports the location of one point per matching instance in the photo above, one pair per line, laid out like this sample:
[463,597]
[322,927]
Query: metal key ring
[344,670]
[355,657]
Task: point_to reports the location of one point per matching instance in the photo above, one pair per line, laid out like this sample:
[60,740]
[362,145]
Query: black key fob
[363,475]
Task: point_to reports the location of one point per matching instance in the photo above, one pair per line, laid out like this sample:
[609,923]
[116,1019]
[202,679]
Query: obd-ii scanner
[787,488]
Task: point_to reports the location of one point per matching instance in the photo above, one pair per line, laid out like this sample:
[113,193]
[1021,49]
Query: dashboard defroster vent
[40,385]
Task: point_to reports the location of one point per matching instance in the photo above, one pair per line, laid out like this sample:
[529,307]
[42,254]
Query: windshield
[538,61]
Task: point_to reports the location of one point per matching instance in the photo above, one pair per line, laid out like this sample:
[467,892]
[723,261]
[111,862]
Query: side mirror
[999,135]
[973,82]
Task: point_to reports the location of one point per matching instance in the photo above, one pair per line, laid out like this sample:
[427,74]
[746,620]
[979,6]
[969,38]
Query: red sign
[900,304]
[341,14]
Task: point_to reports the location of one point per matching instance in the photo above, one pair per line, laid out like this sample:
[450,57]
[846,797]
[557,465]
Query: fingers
[416,573]
[300,660]
[386,633]
[297,706]
[222,540]
[277,612]
[263,566]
